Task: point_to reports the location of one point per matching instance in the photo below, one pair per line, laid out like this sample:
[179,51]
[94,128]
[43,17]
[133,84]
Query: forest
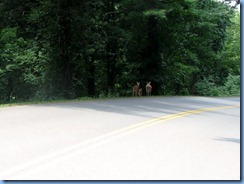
[70,49]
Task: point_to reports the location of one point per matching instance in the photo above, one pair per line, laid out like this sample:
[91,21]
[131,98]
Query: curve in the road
[63,154]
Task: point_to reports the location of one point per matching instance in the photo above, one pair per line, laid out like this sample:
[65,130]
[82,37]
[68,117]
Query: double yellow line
[159,120]
[76,149]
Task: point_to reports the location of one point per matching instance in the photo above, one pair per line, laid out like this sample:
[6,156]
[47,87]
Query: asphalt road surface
[148,138]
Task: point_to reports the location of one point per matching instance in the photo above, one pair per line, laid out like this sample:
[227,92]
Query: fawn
[135,89]
[148,88]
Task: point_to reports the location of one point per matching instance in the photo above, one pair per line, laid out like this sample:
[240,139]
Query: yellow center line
[81,146]
[164,118]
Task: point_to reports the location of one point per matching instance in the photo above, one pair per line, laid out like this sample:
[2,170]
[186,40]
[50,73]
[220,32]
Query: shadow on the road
[234,140]
[149,107]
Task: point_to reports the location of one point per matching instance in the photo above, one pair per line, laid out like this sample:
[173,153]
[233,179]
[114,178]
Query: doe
[148,88]
[135,89]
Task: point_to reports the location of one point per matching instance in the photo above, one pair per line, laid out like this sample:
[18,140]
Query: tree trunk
[65,45]
[111,50]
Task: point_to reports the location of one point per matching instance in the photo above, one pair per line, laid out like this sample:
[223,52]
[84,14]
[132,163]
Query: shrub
[207,87]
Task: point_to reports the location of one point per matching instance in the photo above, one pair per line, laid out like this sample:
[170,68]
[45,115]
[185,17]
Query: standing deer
[148,88]
[140,92]
[135,89]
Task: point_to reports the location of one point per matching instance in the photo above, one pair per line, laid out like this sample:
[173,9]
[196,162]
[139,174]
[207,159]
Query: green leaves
[71,49]
[158,13]
[231,87]
[8,35]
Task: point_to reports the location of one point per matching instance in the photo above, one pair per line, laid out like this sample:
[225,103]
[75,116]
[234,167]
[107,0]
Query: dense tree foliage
[70,48]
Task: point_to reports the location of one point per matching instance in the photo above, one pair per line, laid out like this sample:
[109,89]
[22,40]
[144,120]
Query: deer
[148,88]
[135,89]
[140,92]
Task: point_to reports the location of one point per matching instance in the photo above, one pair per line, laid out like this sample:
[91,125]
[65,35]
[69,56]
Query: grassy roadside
[56,101]
[60,101]
[45,102]
[90,99]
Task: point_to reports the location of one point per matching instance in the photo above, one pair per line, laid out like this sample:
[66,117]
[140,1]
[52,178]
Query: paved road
[155,138]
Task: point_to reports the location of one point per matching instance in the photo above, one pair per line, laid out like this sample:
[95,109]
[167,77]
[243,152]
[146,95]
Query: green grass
[31,102]
[44,102]
[62,100]
[83,99]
